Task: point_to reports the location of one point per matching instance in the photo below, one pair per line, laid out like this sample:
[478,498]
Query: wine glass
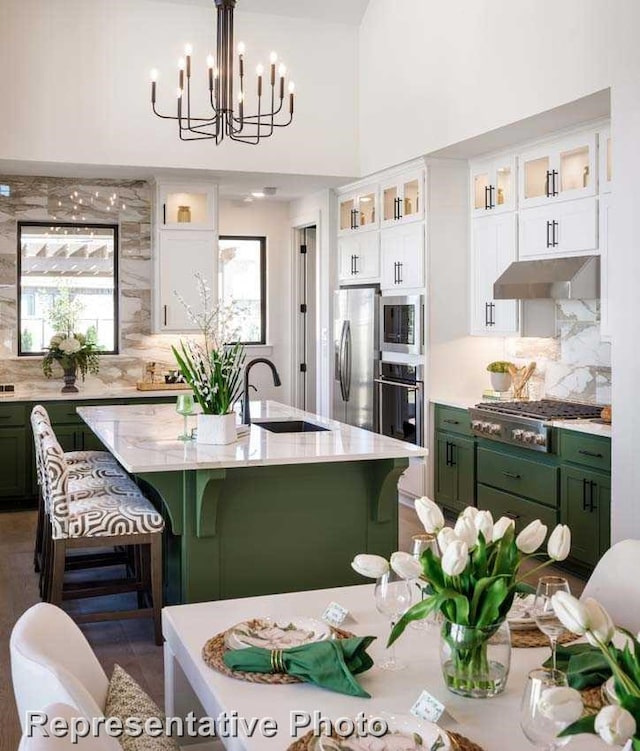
[541,730]
[184,407]
[393,597]
[422,589]
[544,614]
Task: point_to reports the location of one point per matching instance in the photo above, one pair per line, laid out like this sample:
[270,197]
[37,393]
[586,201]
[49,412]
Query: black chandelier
[224,120]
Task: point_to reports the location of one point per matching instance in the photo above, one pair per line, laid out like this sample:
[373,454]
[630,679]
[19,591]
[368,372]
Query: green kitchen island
[273,512]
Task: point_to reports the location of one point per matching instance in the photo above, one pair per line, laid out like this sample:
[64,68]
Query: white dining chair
[44,739]
[615,584]
[52,662]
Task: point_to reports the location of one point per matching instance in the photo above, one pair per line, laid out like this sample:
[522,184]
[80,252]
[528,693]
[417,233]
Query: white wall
[77,87]
[447,71]
[270,218]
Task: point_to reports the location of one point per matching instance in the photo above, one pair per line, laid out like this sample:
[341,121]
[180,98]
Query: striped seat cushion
[106,514]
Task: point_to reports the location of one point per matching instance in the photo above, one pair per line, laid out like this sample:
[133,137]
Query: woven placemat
[214,649]
[458,743]
[535,638]
[592,700]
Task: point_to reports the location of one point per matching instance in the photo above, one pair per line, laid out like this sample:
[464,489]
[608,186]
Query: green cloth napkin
[584,665]
[330,664]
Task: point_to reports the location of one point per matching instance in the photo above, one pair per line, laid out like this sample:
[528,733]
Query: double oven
[399,385]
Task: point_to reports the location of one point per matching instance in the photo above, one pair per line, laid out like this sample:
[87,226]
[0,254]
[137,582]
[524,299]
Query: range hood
[576,278]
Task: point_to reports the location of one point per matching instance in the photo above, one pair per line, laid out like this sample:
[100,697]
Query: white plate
[402,729]
[519,616]
[273,633]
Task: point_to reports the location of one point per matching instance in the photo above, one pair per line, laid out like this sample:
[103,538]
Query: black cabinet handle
[454,449]
[492,204]
[511,475]
[399,200]
[400,265]
[486,197]
[5,417]
[164,213]
[355,265]
[549,241]
[452,422]
[592,454]
[547,183]
[554,188]
[165,314]
[512,515]
[489,309]
[554,233]
[585,505]
[486,314]
[447,449]
[395,208]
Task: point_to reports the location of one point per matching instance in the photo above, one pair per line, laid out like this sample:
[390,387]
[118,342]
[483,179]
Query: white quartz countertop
[593,427]
[122,392]
[143,438]
[460,402]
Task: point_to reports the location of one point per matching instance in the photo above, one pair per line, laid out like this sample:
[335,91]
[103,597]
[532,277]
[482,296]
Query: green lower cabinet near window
[455,471]
[585,505]
[15,462]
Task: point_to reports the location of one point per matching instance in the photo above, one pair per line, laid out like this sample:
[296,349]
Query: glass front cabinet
[358,211]
[402,199]
[493,186]
[558,171]
[186,207]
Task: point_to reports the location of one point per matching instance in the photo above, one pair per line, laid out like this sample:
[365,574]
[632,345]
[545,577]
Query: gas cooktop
[545,409]
[526,424]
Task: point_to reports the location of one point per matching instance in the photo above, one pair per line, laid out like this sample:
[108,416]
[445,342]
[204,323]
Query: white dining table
[190,685]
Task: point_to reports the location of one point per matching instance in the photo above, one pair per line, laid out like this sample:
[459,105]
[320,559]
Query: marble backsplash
[576,364]
[48,199]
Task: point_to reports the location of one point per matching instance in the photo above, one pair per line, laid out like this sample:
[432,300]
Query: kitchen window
[242,280]
[67,271]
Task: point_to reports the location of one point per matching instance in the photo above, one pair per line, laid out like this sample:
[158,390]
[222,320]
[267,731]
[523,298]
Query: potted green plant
[213,365]
[500,375]
[72,350]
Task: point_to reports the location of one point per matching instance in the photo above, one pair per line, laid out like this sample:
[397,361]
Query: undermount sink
[289,426]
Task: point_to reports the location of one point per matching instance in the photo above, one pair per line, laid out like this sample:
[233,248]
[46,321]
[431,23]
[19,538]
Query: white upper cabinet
[180,255]
[358,211]
[402,199]
[493,186]
[604,150]
[186,206]
[558,171]
[402,251]
[493,249]
[606,212]
[568,228]
[359,258]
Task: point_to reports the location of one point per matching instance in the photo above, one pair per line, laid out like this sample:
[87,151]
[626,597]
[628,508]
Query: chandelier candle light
[224,120]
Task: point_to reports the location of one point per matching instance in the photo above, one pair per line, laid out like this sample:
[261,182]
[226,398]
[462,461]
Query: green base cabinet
[15,462]
[455,472]
[585,506]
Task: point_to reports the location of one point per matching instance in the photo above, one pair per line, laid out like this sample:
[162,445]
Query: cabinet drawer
[64,413]
[453,420]
[517,475]
[519,509]
[591,451]
[12,415]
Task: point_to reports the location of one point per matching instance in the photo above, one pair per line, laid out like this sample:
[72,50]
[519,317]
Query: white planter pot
[217,430]
[500,381]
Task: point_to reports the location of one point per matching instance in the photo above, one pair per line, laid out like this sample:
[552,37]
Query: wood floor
[129,643]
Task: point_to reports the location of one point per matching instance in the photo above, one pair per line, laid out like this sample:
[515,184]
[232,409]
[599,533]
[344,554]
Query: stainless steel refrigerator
[356,355]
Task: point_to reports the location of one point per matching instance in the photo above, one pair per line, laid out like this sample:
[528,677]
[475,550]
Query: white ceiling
[338,11]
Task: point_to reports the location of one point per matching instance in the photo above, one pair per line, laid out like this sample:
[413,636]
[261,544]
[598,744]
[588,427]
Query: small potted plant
[500,375]
[213,366]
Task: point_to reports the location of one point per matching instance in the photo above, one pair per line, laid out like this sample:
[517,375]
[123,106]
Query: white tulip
[601,627]
[405,565]
[501,526]
[466,531]
[561,704]
[531,537]
[470,512]
[455,558]
[372,566]
[572,613]
[430,515]
[615,725]
[484,523]
[559,543]
[445,537]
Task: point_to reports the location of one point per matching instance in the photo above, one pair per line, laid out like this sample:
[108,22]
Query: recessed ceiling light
[248,199]
[257,194]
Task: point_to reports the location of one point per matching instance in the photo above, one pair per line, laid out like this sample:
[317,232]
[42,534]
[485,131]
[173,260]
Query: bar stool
[93,510]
